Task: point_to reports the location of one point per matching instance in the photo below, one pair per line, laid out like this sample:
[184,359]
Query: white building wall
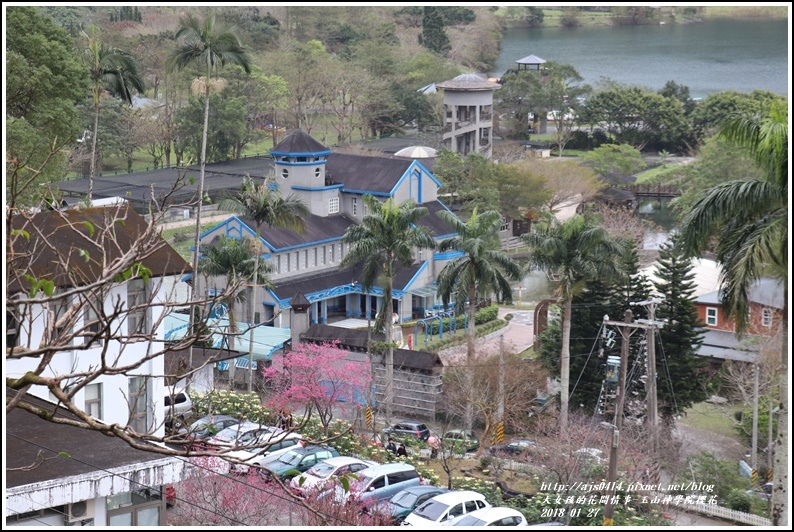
[114,387]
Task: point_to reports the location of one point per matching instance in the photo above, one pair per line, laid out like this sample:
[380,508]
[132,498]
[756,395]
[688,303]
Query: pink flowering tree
[317,378]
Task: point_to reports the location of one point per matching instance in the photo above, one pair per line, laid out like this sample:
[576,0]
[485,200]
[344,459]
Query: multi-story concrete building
[332,185]
[98,335]
[468,114]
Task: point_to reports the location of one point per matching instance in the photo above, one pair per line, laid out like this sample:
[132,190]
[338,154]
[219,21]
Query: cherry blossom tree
[317,378]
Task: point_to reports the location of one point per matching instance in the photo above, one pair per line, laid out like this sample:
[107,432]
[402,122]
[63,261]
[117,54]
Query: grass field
[715,418]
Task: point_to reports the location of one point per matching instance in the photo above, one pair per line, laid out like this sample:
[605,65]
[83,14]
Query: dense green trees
[557,91]
[639,117]
[44,82]
[613,163]
[226,128]
[433,36]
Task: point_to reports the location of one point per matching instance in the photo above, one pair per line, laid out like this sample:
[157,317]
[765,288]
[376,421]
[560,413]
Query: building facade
[99,331]
[333,185]
[468,114]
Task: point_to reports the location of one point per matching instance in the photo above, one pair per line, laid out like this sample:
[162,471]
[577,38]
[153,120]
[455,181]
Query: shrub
[739,500]
[242,405]
[508,317]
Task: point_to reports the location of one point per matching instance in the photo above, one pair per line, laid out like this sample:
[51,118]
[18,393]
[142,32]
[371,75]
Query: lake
[707,57]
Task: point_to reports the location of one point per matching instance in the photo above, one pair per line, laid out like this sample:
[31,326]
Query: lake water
[712,56]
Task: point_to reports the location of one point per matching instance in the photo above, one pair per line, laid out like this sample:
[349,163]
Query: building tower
[300,167]
[468,114]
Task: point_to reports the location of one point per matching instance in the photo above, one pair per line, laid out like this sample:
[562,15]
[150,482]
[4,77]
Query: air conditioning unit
[80,511]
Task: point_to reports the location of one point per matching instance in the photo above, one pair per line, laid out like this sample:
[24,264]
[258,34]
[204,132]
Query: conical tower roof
[300,142]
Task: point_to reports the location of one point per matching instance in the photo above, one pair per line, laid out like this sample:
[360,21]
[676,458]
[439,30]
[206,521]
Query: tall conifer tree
[677,361]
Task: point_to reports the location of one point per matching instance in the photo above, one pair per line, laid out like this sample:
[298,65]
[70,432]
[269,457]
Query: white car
[274,445]
[493,516]
[445,507]
[319,475]
[242,434]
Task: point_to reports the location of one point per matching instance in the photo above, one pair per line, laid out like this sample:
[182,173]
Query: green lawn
[715,418]
[183,238]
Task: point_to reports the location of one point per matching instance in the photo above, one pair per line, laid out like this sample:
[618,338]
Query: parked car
[178,405]
[245,433]
[406,501]
[445,507]
[207,427]
[274,445]
[514,448]
[378,483]
[415,429]
[320,475]
[296,461]
[493,516]
[466,438]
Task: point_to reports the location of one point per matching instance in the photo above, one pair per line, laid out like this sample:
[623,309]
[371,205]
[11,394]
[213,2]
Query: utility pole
[754,451]
[625,333]
[500,409]
[650,384]
[609,510]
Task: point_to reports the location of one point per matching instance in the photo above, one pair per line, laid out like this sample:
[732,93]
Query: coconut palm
[383,243]
[484,268]
[572,252]
[265,206]
[209,45]
[113,71]
[749,219]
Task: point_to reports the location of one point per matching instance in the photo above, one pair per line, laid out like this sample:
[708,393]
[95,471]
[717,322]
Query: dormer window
[285,173]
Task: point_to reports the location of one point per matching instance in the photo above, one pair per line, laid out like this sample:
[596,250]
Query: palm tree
[111,70]
[382,244]
[265,206]
[483,268]
[573,252]
[211,46]
[238,261]
[749,217]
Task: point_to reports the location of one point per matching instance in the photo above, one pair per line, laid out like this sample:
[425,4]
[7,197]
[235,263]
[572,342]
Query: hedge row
[452,341]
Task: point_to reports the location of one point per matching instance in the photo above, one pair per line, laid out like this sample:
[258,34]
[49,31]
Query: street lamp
[609,510]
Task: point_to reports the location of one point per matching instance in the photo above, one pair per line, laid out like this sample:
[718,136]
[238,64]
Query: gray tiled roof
[317,229]
[365,173]
[27,435]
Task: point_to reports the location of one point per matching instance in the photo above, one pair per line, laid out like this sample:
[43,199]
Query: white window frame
[138,320]
[93,400]
[766,317]
[139,399]
[333,205]
[355,206]
[712,316]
